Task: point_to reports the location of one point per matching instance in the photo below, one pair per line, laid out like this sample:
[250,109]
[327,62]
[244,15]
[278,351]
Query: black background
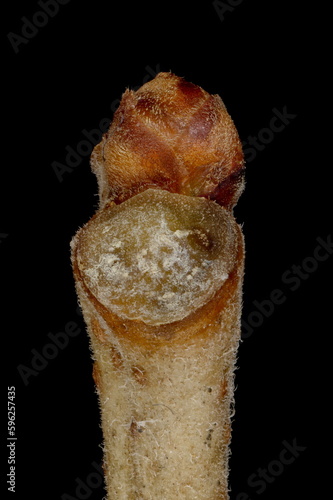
[261,56]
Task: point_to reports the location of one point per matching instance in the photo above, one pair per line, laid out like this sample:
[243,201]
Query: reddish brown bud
[171,135]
